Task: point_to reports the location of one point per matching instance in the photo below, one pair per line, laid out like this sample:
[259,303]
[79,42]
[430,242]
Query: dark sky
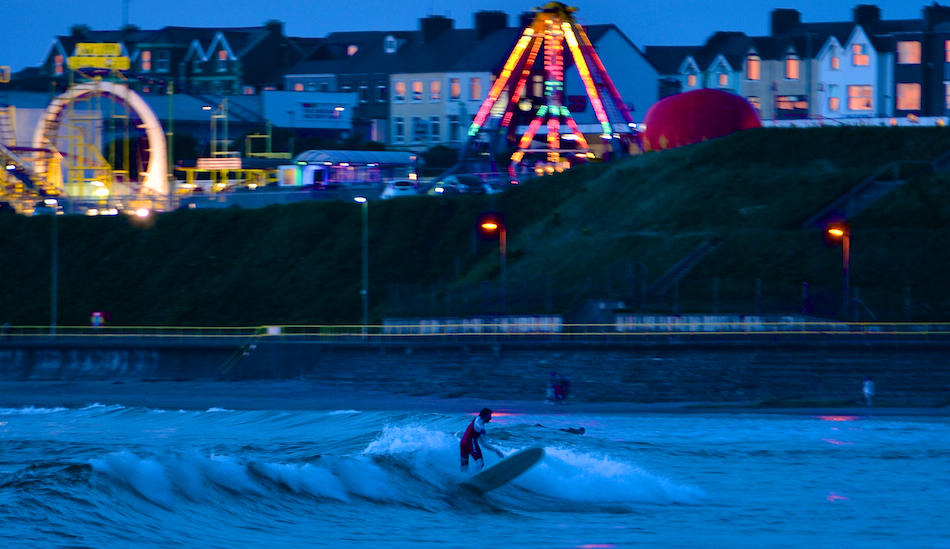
[28,26]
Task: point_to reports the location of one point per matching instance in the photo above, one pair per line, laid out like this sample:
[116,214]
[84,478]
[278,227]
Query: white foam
[216,409]
[147,477]
[30,410]
[308,479]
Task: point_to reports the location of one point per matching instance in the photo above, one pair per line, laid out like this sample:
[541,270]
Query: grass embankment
[570,236]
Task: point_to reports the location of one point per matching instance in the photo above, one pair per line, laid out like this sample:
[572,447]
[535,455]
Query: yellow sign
[113,63]
[108,49]
[4,75]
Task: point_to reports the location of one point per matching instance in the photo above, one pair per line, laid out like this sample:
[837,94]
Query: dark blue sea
[123,473]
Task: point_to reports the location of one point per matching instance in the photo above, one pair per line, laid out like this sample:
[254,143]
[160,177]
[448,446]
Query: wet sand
[302,394]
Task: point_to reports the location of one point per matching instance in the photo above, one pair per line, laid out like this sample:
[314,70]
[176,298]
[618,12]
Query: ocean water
[113,474]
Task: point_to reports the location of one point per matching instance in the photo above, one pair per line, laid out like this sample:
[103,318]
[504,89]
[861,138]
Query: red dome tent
[695,116]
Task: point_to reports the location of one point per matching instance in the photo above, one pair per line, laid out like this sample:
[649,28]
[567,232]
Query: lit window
[435,129]
[146,61]
[475,89]
[908,53]
[298,87]
[537,85]
[399,129]
[859,98]
[946,51]
[753,67]
[691,80]
[163,61]
[791,67]
[417,91]
[222,60]
[946,96]
[835,62]
[756,103]
[455,88]
[834,103]
[908,97]
[723,80]
[435,90]
[247,90]
[399,92]
[352,49]
[859,58]
[382,94]
[58,64]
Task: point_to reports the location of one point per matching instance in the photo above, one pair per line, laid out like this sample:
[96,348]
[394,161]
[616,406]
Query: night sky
[29,26]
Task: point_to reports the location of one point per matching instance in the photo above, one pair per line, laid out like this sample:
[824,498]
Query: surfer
[469,445]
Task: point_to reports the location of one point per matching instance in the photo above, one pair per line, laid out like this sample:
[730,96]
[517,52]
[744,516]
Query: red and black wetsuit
[469,444]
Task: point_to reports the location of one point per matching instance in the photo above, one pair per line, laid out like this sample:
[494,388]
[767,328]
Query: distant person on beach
[469,445]
[869,391]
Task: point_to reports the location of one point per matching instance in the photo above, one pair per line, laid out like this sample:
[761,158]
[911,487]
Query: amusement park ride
[552,30]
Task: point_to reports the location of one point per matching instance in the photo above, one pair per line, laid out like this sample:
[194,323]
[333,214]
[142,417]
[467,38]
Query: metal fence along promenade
[416,334]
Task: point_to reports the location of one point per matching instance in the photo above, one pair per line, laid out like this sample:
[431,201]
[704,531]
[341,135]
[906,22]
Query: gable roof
[669,59]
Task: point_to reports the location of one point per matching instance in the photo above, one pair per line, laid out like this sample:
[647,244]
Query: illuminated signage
[99,56]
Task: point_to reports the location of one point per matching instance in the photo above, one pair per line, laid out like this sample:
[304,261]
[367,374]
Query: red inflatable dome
[694,116]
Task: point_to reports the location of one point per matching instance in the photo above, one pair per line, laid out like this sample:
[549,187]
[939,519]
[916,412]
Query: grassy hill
[584,233]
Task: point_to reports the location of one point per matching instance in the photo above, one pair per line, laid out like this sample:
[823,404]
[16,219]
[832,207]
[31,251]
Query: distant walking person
[869,391]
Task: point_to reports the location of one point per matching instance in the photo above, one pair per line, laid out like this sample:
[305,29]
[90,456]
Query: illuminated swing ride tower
[552,29]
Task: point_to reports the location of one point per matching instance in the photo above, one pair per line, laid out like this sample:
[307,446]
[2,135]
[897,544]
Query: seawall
[819,373]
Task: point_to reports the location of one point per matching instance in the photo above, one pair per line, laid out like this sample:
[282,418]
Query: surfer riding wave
[470,444]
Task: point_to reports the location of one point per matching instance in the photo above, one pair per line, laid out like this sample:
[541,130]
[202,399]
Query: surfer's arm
[492,448]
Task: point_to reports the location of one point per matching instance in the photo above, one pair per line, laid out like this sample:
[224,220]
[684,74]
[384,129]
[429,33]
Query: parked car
[400,187]
[465,184]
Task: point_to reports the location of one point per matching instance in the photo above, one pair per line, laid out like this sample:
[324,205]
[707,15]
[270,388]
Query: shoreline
[303,395]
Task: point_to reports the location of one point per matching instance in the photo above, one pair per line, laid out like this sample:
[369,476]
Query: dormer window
[723,80]
[351,50]
[791,67]
[163,61]
[222,60]
[58,65]
[859,56]
[146,61]
[753,67]
[389,44]
[691,80]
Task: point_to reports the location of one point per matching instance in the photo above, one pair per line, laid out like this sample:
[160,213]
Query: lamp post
[842,231]
[54,268]
[492,224]
[364,290]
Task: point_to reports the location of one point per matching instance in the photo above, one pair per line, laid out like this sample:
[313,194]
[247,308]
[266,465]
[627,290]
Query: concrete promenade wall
[820,373]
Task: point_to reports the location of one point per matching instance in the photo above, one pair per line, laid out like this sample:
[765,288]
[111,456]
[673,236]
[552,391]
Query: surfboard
[504,471]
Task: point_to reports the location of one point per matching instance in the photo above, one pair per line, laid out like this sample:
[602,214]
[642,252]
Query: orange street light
[842,231]
[491,226]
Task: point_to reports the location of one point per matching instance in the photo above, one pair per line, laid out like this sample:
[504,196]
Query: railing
[743,332]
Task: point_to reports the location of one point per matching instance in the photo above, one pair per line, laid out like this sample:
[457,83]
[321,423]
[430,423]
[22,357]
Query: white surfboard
[504,471]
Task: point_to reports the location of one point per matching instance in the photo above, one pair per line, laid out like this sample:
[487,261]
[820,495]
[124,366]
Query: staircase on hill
[234,109]
[666,281]
[874,187]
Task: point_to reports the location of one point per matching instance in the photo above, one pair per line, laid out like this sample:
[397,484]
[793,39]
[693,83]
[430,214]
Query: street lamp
[492,225]
[364,291]
[54,268]
[842,231]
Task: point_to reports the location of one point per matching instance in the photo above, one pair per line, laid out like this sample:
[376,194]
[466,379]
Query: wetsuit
[469,444]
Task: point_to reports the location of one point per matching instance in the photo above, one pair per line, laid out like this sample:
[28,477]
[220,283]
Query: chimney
[434,25]
[275,27]
[865,14]
[936,14]
[784,19]
[487,22]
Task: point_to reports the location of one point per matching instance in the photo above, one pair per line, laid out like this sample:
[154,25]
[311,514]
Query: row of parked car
[453,184]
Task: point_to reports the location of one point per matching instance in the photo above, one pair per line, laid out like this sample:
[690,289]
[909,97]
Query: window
[163,61]
[419,129]
[222,60]
[791,67]
[435,90]
[791,107]
[324,86]
[399,91]
[298,87]
[859,57]
[691,80]
[435,129]
[399,129]
[364,92]
[455,88]
[351,50]
[908,97]
[946,51]
[196,66]
[311,86]
[723,80]
[475,89]
[908,53]
[58,64]
[834,102]
[389,44]
[454,127]
[346,88]
[382,93]
[753,67]
[946,96]
[756,103]
[146,61]
[859,98]
[537,85]
[835,59]
[247,90]
[417,91]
